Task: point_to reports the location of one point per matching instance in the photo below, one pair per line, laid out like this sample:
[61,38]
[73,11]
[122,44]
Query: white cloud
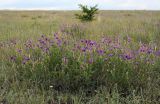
[4,2]
[44,8]
[72,4]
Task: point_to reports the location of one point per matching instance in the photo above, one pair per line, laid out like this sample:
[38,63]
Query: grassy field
[50,57]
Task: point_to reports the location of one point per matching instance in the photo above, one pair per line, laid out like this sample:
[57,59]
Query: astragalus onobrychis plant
[87,65]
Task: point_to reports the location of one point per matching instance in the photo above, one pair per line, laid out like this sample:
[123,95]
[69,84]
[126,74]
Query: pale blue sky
[72,4]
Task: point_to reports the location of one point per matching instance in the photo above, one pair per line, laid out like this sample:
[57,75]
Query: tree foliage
[87,14]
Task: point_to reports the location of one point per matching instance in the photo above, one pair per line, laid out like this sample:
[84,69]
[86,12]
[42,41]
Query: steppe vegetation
[50,57]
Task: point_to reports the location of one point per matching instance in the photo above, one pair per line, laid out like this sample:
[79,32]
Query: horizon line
[39,9]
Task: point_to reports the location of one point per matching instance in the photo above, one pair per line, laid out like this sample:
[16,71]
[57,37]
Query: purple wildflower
[127,56]
[90,61]
[84,49]
[19,50]
[100,52]
[92,43]
[86,41]
[23,62]
[82,41]
[150,51]
[25,59]
[59,42]
[56,38]
[46,50]
[46,39]
[110,55]
[13,58]
[143,48]
[157,53]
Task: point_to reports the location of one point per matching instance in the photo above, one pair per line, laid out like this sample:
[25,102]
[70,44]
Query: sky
[73,4]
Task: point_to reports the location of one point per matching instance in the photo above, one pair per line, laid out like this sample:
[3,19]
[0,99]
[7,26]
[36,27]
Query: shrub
[88,14]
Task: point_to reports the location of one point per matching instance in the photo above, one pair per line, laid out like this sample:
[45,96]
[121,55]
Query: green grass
[47,79]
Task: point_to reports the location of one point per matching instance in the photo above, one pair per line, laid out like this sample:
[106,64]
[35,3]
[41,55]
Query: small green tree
[87,14]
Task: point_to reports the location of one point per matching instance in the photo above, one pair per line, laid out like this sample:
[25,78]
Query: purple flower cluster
[143,48]
[90,50]
[128,56]
[44,43]
[29,45]
[109,47]
[85,45]
[25,59]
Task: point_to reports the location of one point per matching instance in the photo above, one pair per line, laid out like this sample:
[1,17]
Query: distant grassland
[22,25]
[142,25]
